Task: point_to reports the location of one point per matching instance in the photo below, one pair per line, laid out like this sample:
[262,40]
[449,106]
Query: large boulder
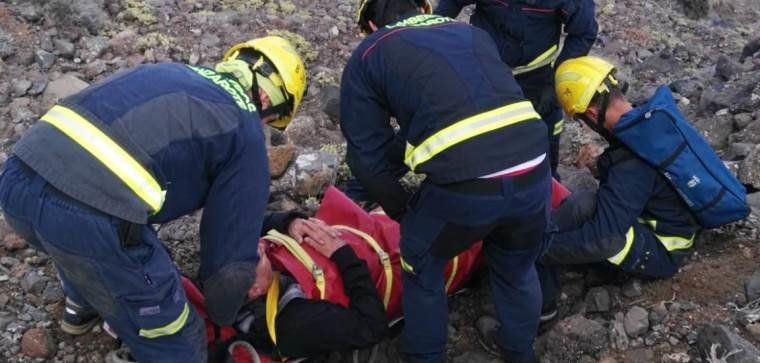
[749,168]
[717,343]
[716,130]
[38,343]
[573,338]
[62,87]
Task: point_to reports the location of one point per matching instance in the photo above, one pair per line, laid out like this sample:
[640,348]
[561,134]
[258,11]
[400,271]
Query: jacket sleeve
[306,328]
[374,153]
[279,221]
[451,8]
[581,28]
[232,221]
[620,201]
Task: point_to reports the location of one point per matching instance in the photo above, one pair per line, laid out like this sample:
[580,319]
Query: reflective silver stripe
[544,59]
[467,129]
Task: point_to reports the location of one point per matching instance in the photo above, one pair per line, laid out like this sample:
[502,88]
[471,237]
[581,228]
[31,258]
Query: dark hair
[384,12]
[615,94]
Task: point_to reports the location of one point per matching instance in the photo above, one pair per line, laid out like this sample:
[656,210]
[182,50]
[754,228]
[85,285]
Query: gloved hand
[547,102]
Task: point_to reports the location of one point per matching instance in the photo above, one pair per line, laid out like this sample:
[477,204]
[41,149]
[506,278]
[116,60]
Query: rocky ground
[705,50]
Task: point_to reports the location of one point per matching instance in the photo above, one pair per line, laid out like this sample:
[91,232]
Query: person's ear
[592,113]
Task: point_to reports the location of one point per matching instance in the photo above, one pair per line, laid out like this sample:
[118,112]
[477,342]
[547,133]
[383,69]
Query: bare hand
[317,234]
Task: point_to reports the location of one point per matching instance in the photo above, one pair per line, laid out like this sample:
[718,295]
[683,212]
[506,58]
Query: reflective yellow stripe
[454,268]
[406,267]
[296,250]
[671,243]
[651,222]
[273,298]
[544,59]
[385,260]
[167,329]
[109,153]
[559,126]
[467,129]
[620,257]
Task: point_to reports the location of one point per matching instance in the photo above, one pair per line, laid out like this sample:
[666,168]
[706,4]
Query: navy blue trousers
[510,215]
[136,289]
[647,258]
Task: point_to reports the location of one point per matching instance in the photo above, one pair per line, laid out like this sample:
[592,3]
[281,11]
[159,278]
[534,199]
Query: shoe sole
[78,329]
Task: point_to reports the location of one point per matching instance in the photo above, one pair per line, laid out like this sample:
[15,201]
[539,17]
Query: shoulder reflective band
[544,59]
[385,260]
[273,297]
[454,270]
[559,126]
[299,253]
[167,329]
[467,129]
[109,153]
[620,257]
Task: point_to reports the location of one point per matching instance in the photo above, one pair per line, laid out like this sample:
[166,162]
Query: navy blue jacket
[428,72]
[525,29]
[204,145]
[629,189]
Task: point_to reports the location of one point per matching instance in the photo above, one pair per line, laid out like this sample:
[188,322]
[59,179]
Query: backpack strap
[297,250]
[273,298]
[385,259]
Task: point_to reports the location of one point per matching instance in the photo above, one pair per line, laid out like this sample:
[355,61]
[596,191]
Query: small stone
[64,48]
[658,313]
[752,287]
[194,58]
[673,340]
[742,120]
[279,158]
[754,329]
[20,87]
[63,87]
[314,172]
[30,13]
[636,321]
[52,293]
[38,343]
[9,261]
[486,325]
[38,86]
[632,289]
[476,356]
[618,336]
[5,319]
[12,242]
[330,99]
[597,300]
[4,298]
[93,47]
[680,357]
[95,68]
[33,283]
[334,32]
[639,356]
[44,58]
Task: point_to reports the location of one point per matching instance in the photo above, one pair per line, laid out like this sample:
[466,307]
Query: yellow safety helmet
[289,73]
[577,80]
[364,6]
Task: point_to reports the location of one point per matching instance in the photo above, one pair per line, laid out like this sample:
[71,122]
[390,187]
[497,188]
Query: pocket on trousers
[161,312]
